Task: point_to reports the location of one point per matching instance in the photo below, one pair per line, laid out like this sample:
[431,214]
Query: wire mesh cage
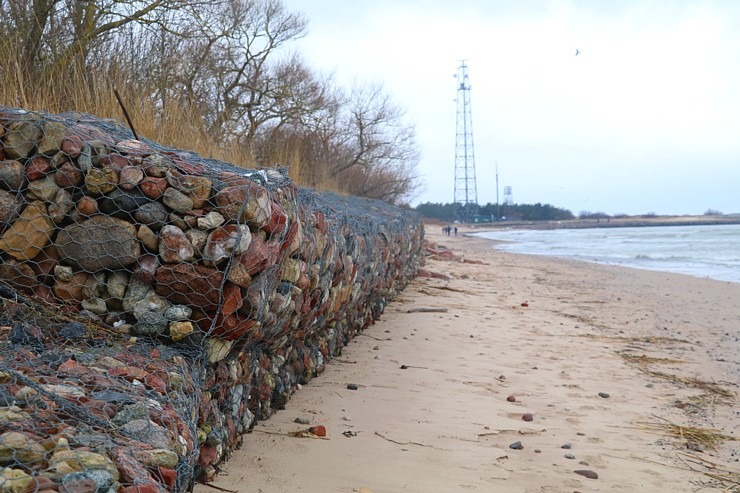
[156,303]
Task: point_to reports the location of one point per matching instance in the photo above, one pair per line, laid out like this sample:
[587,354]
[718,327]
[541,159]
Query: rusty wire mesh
[156,303]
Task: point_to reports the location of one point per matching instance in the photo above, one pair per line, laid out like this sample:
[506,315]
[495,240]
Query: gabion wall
[155,304]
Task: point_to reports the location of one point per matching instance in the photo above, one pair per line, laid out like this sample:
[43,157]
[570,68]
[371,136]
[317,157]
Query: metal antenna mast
[466,194]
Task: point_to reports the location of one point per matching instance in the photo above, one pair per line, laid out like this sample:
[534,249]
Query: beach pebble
[511,398]
[319,431]
[537,451]
[527,417]
[352,386]
[516,446]
[588,473]
[570,456]
[302,421]
[567,446]
[603,395]
[376,348]
[581,434]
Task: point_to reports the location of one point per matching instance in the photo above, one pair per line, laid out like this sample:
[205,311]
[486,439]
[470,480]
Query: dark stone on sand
[352,386]
[516,446]
[588,473]
[511,398]
[603,395]
[527,417]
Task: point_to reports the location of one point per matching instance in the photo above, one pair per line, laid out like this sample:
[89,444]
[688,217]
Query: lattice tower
[466,195]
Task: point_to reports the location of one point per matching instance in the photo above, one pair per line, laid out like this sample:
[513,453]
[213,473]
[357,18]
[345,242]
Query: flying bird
[577,52]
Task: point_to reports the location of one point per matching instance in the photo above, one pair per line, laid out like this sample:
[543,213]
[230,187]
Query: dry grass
[694,382]
[721,475]
[175,125]
[690,435]
[643,359]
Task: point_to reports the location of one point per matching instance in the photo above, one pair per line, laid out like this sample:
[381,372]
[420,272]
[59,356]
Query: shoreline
[612,362]
[726,274]
[618,222]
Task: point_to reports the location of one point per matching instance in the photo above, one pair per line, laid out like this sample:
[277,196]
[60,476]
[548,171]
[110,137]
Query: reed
[174,124]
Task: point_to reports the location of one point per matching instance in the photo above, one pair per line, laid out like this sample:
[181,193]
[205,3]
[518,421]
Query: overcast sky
[645,119]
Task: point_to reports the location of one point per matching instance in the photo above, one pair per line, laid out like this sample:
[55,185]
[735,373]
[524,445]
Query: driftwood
[424,309]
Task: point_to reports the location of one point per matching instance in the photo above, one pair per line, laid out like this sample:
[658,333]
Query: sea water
[702,251]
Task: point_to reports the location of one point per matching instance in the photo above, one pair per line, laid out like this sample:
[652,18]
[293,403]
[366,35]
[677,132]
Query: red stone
[174,245]
[38,167]
[145,268]
[115,161]
[225,241]
[277,220]
[527,417]
[231,327]
[233,299]
[303,282]
[208,455]
[131,470]
[68,176]
[71,367]
[257,257]
[153,187]
[130,177]
[289,237]
[87,206]
[319,430]
[44,293]
[72,290]
[320,221]
[167,476]
[72,145]
[155,383]
[511,398]
[129,373]
[190,284]
[42,483]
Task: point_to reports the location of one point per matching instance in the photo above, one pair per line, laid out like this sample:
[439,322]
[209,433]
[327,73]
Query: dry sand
[431,414]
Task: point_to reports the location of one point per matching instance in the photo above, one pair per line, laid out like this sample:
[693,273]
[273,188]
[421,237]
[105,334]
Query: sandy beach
[542,375]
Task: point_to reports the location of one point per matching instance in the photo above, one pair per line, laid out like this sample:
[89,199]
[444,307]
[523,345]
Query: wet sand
[611,364]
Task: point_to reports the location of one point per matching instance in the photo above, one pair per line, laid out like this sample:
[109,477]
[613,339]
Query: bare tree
[379,142]
[51,35]
[239,71]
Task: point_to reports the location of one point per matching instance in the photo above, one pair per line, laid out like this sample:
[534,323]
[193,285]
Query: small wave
[642,256]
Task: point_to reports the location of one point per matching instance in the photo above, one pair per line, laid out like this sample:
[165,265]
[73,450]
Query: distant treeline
[496,212]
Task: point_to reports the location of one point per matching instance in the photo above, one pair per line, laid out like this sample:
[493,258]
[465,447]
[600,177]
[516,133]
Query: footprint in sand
[594,461]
